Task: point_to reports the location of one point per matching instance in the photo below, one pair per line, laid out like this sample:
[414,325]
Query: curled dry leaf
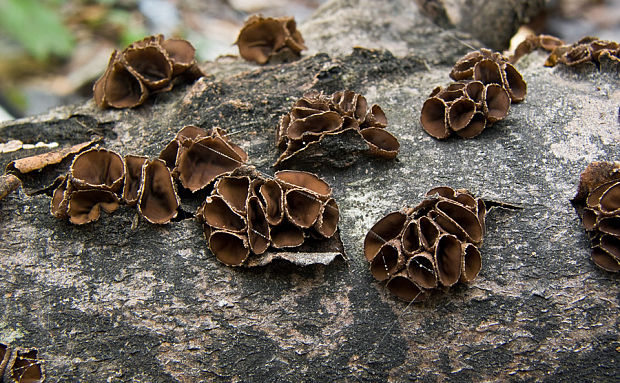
[248,213]
[316,119]
[432,245]
[152,64]
[268,39]
[598,203]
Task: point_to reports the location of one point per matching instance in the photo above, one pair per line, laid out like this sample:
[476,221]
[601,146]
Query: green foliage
[37,27]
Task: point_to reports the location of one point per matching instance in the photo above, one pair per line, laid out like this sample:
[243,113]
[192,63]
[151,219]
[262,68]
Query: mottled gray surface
[123,302]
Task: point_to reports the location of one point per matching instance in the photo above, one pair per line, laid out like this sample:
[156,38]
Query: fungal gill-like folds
[586,51]
[486,83]
[598,204]
[433,245]
[268,39]
[246,214]
[153,64]
[316,116]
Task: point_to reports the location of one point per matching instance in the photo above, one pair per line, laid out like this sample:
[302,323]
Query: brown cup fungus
[430,246]
[21,366]
[586,51]
[268,39]
[149,65]
[197,157]
[486,84]
[316,116]
[247,214]
[598,203]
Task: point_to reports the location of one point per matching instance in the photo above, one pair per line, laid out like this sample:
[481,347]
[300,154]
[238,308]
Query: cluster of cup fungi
[431,246]
[486,83]
[588,50]
[19,365]
[316,115]
[153,64]
[598,202]
[247,214]
[269,40]
[102,179]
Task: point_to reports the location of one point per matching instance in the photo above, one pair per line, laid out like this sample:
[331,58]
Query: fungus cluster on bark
[486,83]
[533,42]
[246,214]
[102,179]
[587,51]
[269,39]
[20,366]
[598,203]
[316,116]
[430,246]
[153,64]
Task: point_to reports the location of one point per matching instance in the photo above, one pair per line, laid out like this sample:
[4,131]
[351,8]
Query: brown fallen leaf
[38,162]
[8,184]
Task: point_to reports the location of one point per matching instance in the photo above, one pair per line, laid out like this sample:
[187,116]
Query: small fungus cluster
[532,42]
[246,214]
[485,86]
[588,50]
[315,116]
[268,39]
[149,65]
[432,245]
[598,201]
[102,179]
[20,366]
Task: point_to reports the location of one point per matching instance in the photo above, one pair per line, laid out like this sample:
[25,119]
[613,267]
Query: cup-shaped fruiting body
[197,157]
[133,176]
[84,206]
[264,39]
[98,168]
[145,66]
[432,245]
[158,201]
[598,203]
[24,366]
[533,42]
[586,51]
[5,356]
[316,116]
[279,212]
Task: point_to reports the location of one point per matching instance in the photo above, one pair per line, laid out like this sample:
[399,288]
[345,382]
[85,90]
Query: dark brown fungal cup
[60,198]
[305,180]
[219,215]
[158,201]
[460,113]
[608,225]
[604,260]
[610,200]
[123,89]
[315,124]
[301,207]
[150,65]
[404,288]
[471,264]
[235,191]
[411,238]
[387,261]
[386,229]
[272,194]
[258,227]
[381,142]
[24,367]
[327,223]
[421,270]
[376,117]
[5,356]
[181,53]
[85,206]
[448,259]
[488,72]
[428,232]
[204,160]
[434,119]
[286,235]
[262,38]
[464,67]
[229,248]
[466,220]
[133,175]
[514,83]
[474,91]
[496,102]
[98,168]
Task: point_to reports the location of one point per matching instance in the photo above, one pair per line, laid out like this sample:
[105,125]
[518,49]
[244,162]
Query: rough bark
[121,301]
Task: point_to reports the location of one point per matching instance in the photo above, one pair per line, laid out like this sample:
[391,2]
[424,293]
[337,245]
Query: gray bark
[123,302]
